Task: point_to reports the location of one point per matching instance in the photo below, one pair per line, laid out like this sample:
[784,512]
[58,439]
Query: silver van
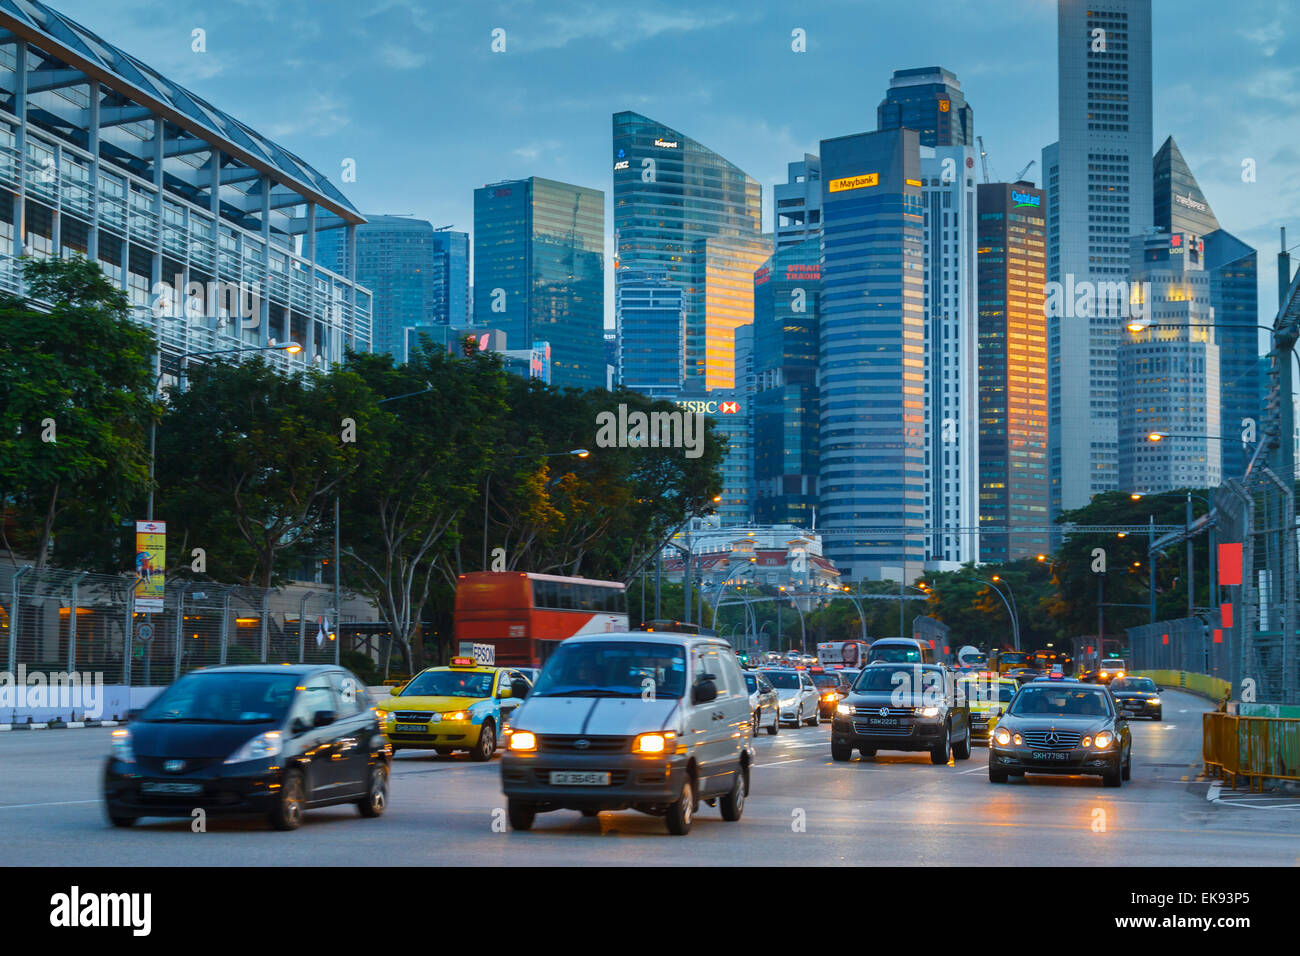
[654,722]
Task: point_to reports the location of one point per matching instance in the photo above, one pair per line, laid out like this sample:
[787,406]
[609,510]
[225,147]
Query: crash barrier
[1211,688]
[1257,748]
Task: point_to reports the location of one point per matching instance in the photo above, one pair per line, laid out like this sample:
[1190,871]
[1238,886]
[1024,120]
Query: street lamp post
[1015,624]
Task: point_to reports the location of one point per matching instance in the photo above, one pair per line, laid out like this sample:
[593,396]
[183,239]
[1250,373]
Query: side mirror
[519,688]
[704,691]
[298,726]
[322,718]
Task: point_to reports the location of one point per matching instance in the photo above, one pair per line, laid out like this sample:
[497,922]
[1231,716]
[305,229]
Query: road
[803,809]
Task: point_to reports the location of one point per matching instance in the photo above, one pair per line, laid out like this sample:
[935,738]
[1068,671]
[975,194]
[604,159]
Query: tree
[75,398]
[250,460]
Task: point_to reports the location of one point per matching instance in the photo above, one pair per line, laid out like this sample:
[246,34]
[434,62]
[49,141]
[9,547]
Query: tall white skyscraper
[951,354]
[1098,183]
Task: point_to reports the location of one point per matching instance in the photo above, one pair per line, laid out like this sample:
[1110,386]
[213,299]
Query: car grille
[871,730]
[1065,739]
[154,765]
[568,744]
[410,717]
[866,710]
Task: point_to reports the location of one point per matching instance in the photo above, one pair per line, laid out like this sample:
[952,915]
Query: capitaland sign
[1025,199]
[854,182]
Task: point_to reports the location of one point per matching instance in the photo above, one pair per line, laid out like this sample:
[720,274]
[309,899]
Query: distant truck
[843,653]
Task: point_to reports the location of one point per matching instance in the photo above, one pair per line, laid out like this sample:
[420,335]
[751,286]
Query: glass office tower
[539,272]
[930,101]
[651,324]
[871,484]
[1012,371]
[671,196]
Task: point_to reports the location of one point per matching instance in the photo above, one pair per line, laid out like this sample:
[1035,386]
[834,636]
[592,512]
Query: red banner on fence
[1225,614]
[1218,636]
[1164,638]
[1229,564]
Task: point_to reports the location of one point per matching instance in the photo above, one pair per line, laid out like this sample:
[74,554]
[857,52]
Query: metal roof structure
[75,56]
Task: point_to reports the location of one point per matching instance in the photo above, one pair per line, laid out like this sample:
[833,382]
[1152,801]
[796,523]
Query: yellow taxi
[463,706]
[989,695]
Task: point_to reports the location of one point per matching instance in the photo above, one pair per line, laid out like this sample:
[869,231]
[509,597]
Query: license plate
[565,778]
[883,721]
[1049,755]
[412,728]
[150,786]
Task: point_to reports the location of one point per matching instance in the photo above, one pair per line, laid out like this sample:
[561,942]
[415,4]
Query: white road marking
[973,770]
[778,763]
[60,803]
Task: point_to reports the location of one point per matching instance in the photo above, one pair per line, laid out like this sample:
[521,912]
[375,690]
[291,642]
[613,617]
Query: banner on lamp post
[150,562]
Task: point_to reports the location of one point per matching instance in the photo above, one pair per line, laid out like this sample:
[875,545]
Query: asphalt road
[896,810]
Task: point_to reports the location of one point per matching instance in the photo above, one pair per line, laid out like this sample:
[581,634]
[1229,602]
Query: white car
[764,701]
[798,695]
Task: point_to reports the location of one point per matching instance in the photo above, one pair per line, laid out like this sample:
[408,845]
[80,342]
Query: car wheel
[996,775]
[1113,778]
[1127,773]
[121,821]
[487,743]
[961,751]
[939,755]
[375,802]
[521,815]
[733,804]
[776,724]
[817,716]
[287,814]
[681,814]
[841,751]
[753,724]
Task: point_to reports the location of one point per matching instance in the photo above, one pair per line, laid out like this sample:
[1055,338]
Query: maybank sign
[854,182]
[1025,199]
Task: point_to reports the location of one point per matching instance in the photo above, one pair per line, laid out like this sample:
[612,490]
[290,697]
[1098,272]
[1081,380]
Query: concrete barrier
[1203,685]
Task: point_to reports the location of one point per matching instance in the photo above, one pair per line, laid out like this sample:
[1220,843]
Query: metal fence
[55,620]
[1194,644]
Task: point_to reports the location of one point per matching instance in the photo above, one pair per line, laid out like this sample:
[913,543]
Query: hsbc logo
[729,408]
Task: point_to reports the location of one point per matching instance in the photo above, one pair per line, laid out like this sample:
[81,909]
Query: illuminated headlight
[381,714]
[122,746]
[456,715]
[845,709]
[522,741]
[929,711]
[1002,736]
[653,743]
[788,703]
[259,748]
[1153,700]
[1104,674]
[1103,740]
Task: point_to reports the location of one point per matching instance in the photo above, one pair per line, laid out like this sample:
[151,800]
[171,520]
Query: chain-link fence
[1193,644]
[56,621]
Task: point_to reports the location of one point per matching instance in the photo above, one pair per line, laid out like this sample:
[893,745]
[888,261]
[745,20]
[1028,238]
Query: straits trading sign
[854,182]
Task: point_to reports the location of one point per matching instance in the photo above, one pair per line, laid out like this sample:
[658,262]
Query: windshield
[229,698]
[449,684]
[1014,659]
[895,654]
[1060,701]
[1135,683]
[784,679]
[988,691]
[826,680]
[614,669]
[904,681]
[974,660]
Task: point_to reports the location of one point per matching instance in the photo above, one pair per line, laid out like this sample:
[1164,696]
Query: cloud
[1268,36]
[320,115]
[616,26]
[401,58]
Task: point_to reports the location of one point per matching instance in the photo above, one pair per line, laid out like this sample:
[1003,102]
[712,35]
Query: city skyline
[534,110]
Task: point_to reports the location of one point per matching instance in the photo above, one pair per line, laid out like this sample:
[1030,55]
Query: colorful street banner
[150,560]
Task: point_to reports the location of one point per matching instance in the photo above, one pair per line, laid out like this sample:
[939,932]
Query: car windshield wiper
[589,692]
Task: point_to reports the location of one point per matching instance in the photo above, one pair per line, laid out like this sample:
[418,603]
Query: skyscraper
[451,249]
[872,470]
[1012,371]
[930,101]
[684,212]
[786,403]
[1098,183]
[403,261]
[651,324]
[797,203]
[539,272]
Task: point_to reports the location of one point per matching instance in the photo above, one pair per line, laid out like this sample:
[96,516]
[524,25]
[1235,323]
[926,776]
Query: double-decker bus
[525,615]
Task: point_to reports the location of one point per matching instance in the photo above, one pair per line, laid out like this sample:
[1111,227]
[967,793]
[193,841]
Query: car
[1138,696]
[461,706]
[649,722]
[900,650]
[830,690]
[1023,675]
[988,695]
[1062,727]
[798,695]
[903,706]
[1113,668]
[271,740]
[763,700]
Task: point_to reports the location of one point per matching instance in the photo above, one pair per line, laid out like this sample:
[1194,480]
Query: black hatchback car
[253,739]
[1062,727]
[903,706]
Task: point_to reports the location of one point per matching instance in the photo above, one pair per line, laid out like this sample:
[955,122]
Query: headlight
[788,703]
[1103,740]
[653,743]
[1002,736]
[381,714]
[1154,700]
[260,747]
[843,708]
[523,740]
[929,711]
[122,746]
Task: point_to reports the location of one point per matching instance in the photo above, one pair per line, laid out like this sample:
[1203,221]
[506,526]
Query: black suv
[256,739]
[1138,696]
[903,706]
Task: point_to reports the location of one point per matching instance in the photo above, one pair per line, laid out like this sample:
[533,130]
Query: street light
[487,484]
[1015,621]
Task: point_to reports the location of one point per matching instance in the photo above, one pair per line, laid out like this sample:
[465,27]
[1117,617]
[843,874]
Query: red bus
[525,615]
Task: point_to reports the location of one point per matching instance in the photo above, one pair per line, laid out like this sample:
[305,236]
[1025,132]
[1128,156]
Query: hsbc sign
[711,408]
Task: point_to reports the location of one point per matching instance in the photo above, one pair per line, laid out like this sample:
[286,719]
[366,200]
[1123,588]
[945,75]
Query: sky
[413,93]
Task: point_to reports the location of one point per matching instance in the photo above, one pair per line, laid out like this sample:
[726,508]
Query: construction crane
[984,157]
[1021,175]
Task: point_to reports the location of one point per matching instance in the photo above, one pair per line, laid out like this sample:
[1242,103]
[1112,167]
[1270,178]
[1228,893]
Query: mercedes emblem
[582,743]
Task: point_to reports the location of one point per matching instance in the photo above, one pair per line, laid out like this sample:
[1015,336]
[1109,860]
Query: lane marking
[59,803]
[779,763]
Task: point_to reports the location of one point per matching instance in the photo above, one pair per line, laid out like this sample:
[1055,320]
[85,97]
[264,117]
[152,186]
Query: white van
[654,722]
